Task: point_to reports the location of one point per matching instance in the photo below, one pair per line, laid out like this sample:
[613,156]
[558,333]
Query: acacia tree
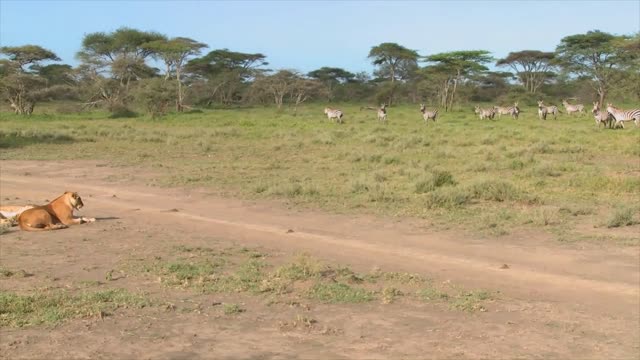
[221,73]
[391,56]
[20,86]
[394,62]
[174,52]
[113,60]
[596,55]
[331,77]
[533,67]
[456,66]
[277,85]
[304,89]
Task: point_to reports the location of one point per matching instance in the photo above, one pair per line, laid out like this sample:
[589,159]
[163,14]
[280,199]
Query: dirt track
[580,301]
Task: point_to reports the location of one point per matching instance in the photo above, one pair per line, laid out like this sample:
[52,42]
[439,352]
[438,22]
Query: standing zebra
[624,115]
[382,113]
[602,117]
[334,114]
[543,111]
[514,110]
[579,108]
[485,113]
[428,114]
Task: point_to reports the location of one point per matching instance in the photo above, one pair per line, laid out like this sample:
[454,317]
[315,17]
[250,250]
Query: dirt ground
[562,301]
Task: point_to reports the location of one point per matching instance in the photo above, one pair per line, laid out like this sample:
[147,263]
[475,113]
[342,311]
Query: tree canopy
[532,66]
[596,55]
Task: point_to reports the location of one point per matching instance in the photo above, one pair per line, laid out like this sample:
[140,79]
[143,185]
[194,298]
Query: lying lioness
[58,214]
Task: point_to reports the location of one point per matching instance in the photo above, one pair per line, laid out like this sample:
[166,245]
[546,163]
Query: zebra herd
[490,113]
[612,117]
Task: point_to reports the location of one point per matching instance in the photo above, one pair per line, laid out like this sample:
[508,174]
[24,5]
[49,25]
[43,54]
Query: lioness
[58,214]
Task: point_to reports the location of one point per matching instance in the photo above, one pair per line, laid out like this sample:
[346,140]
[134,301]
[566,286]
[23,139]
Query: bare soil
[563,301]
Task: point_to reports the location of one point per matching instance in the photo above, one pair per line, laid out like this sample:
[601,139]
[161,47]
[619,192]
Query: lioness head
[75,200]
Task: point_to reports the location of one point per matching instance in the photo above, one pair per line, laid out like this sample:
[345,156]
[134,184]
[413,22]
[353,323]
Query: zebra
[485,113]
[334,114]
[621,116]
[382,113]
[602,117]
[579,108]
[514,110]
[428,114]
[543,111]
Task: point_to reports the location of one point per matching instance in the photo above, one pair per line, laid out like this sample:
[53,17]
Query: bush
[157,96]
[622,217]
[121,111]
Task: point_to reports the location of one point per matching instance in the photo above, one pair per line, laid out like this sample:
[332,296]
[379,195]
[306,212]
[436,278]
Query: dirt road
[559,300]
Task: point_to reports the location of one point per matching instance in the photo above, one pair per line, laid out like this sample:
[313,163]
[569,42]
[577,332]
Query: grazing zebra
[382,113]
[514,110]
[428,114]
[485,113]
[579,108]
[624,115]
[334,114]
[602,117]
[543,111]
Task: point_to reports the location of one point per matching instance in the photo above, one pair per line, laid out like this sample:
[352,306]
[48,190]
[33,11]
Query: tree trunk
[179,106]
[453,92]
[603,95]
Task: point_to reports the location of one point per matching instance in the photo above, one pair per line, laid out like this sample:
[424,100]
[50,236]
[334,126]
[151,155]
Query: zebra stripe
[485,113]
[334,114]
[428,114]
[514,111]
[602,117]
[579,108]
[624,115]
[543,111]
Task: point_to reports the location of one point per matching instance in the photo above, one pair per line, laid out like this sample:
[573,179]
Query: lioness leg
[42,227]
[78,220]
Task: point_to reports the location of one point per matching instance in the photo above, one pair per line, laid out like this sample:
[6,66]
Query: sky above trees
[309,35]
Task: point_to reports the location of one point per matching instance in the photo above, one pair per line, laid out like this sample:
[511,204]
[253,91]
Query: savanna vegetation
[223,119]
[128,71]
[489,176]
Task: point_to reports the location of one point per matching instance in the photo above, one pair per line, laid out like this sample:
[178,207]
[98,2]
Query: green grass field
[491,177]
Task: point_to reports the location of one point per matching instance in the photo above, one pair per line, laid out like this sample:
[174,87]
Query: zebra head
[596,107]
[422,108]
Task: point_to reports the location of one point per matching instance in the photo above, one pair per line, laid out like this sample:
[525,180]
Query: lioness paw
[89,220]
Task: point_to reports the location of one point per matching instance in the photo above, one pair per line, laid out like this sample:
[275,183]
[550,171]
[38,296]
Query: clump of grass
[389,295]
[230,309]
[448,197]
[359,187]
[10,273]
[495,190]
[471,301]
[292,190]
[56,307]
[434,180]
[338,293]
[432,294]
[622,217]
[302,268]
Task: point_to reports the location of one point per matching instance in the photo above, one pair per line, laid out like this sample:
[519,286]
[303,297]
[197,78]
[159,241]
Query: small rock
[504,266]
[289,231]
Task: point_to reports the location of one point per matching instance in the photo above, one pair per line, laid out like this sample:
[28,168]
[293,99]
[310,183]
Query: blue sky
[306,35]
